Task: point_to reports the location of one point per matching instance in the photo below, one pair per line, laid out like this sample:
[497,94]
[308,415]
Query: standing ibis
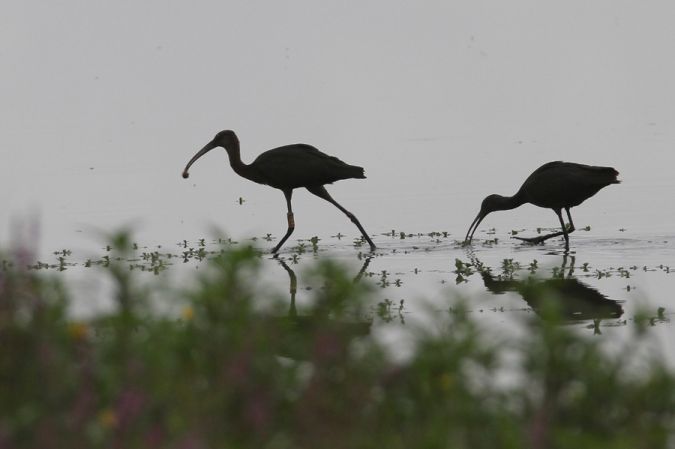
[287,168]
[555,185]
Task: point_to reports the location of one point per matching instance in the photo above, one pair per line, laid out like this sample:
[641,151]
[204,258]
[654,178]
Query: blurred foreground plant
[238,368]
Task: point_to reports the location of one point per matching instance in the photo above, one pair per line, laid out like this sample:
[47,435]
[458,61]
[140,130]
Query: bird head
[491,203]
[226,139]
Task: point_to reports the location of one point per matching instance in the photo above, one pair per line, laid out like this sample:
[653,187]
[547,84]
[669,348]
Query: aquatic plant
[225,372]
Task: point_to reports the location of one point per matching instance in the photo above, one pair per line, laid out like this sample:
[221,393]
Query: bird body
[555,185]
[300,165]
[287,168]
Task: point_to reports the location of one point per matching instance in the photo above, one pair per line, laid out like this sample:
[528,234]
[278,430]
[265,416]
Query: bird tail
[608,175]
[614,174]
[356,172]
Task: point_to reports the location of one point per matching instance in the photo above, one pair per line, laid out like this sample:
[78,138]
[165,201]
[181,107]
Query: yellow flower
[107,418]
[187,313]
[78,330]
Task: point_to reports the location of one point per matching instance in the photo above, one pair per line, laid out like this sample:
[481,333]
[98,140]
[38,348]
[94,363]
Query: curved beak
[474,225]
[209,146]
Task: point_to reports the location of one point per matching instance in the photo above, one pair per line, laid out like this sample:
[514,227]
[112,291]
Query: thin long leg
[291,220]
[558,212]
[321,192]
[569,217]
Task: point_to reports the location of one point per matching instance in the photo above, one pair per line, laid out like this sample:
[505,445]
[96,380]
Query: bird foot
[539,239]
[533,240]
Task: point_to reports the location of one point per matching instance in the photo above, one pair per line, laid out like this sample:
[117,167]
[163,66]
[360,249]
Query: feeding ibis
[555,185]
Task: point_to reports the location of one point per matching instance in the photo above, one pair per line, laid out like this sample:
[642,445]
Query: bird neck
[511,202]
[237,165]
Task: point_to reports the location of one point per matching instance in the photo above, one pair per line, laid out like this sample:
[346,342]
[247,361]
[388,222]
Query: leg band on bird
[289,231]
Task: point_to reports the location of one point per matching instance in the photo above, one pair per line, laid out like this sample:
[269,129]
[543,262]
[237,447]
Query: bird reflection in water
[323,324]
[575,301]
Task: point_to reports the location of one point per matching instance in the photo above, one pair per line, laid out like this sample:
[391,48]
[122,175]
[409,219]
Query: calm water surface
[606,281]
[463,104]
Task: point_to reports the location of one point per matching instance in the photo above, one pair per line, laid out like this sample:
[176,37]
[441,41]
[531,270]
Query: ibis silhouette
[286,168]
[555,185]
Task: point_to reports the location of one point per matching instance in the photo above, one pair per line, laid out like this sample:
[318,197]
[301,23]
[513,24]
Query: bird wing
[565,184]
[580,174]
[301,165]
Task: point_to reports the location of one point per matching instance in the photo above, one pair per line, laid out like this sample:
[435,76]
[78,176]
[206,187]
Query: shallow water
[603,285]
[470,105]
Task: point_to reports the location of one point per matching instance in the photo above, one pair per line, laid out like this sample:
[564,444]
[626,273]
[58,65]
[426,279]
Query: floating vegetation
[466,273]
[139,258]
[384,279]
[509,267]
[315,243]
[387,311]
[288,376]
[490,242]
[644,318]
[463,270]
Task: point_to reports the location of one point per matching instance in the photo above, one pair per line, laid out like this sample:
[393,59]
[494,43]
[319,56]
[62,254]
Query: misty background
[103,103]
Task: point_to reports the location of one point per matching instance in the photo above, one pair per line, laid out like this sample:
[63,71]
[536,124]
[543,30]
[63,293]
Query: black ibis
[287,168]
[555,185]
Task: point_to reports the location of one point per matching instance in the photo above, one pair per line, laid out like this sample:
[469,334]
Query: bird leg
[321,192]
[569,216]
[565,232]
[291,220]
[564,229]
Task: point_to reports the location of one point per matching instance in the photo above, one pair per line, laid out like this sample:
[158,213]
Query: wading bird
[555,185]
[287,168]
